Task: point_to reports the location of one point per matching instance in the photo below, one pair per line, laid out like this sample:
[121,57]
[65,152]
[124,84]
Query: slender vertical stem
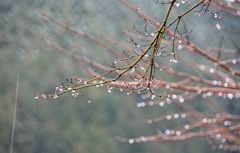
[14,115]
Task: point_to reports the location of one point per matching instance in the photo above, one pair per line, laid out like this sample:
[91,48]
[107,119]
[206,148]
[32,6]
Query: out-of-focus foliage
[70,124]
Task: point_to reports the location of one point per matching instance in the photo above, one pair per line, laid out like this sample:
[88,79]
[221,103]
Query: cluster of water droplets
[178,3]
[137,140]
[149,99]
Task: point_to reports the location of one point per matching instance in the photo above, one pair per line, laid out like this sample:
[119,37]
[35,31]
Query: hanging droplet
[186,126]
[218,26]
[177,4]
[152,34]
[176,116]
[179,46]
[131,141]
[183,115]
[167,132]
[230,96]
[153,96]
[178,133]
[168,117]
[161,104]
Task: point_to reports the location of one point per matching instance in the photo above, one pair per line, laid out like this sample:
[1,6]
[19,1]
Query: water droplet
[109,90]
[152,34]
[186,126]
[202,67]
[141,104]
[234,61]
[178,133]
[218,26]
[215,82]
[167,132]
[181,99]
[174,96]
[150,103]
[176,116]
[218,135]
[204,120]
[230,96]
[179,46]
[209,121]
[131,141]
[183,115]
[143,139]
[226,123]
[150,121]
[173,61]
[161,104]
[168,117]
[225,84]
[177,4]
[211,70]
[153,96]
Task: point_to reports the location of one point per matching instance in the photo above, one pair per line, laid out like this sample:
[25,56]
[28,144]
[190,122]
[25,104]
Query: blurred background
[70,124]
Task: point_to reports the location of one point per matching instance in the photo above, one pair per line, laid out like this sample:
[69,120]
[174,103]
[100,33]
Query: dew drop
[168,117]
[178,133]
[176,116]
[152,34]
[177,4]
[186,126]
[218,26]
[183,115]
[230,96]
[161,104]
[167,132]
[131,141]
[204,120]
